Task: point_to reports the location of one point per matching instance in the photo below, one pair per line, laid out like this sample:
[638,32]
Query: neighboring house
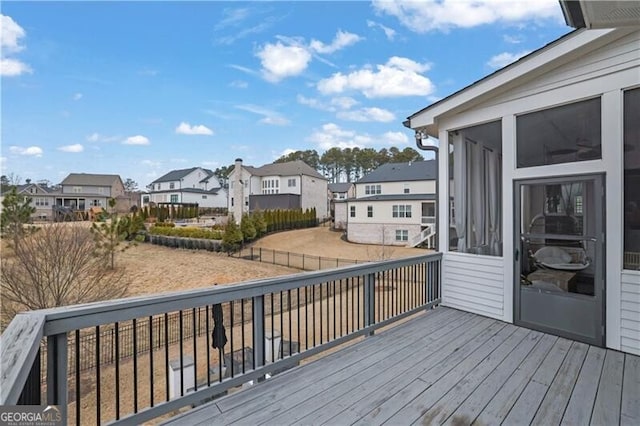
[81,191]
[195,185]
[546,170]
[42,198]
[394,205]
[338,195]
[291,185]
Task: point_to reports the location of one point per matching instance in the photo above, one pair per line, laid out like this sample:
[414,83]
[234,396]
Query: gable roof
[340,186]
[290,168]
[90,179]
[402,172]
[174,175]
[558,52]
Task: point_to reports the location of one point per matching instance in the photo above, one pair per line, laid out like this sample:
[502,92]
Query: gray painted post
[258,333]
[57,356]
[369,300]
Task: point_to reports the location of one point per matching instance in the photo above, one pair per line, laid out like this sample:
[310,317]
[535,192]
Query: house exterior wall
[274,202]
[313,192]
[376,229]
[77,190]
[380,233]
[415,187]
[602,68]
[218,200]
[340,215]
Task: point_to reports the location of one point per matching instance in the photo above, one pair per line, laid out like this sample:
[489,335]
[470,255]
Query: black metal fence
[304,262]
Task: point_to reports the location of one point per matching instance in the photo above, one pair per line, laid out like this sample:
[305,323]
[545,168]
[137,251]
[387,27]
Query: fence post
[251,253]
[260,254]
[258,330]
[369,301]
[274,257]
[57,372]
[288,253]
[303,261]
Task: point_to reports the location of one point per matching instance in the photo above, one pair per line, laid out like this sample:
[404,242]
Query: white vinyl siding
[473,283]
[630,312]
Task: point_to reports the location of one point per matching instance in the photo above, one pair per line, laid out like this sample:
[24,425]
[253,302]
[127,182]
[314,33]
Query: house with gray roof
[42,198]
[394,205]
[195,185]
[81,191]
[290,185]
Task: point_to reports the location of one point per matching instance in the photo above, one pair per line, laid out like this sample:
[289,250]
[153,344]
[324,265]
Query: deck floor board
[443,367]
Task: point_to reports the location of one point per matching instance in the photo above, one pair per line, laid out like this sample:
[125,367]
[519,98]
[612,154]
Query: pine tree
[232,238]
[16,211]
[248,228]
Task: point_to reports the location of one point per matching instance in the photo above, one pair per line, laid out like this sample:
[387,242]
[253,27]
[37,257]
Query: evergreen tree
[16,211]
[247,228]
[232,238]
[260,223]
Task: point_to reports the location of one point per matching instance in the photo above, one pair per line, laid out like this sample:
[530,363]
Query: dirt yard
[322,241]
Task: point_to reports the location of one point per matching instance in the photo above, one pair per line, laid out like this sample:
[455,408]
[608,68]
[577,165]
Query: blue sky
[142,88]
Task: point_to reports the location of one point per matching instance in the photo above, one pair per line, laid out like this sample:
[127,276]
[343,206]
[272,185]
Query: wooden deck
[444,367]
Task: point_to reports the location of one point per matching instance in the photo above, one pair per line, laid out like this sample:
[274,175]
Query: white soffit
[610,14]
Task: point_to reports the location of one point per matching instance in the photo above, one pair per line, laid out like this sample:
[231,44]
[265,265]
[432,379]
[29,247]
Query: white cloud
[444,15]
[269,117]
[239,84]
[77,96]
[97,137]
[513,39]
[333,136]
[151,163]
[289,57]
[505,58]
[10,35]
[280,61]
[136,140]
[148,72]
[13,67]
[232,17]
[34,151]
[71,148]
[389,32]
[367,114]
[340,41]
[344,102]
[395,138]
[187,129]
[398,77]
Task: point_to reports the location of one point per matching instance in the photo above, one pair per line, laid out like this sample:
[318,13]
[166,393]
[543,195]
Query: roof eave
[427,119]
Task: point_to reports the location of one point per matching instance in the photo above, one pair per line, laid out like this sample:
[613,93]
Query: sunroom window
[563,134]
[476,216]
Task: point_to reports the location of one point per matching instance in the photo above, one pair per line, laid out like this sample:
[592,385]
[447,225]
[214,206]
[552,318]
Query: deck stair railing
[253,330]
[427,234]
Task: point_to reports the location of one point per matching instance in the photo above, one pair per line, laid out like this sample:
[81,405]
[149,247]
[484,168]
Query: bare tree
[56,266]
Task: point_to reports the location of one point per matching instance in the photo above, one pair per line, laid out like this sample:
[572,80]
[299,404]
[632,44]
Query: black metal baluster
[78,381]
[231,335]
[281,348]
[334,309]
[273,357]
[242,333]
[151,369]
[290,326]
[181,345]
[320,309]
[208,342]
[135,365]
[166,355]
[313,306]
[195,351]
[97,375]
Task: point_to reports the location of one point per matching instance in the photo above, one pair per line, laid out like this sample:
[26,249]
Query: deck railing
[269,325]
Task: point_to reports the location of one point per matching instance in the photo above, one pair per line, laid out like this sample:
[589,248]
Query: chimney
[238,191]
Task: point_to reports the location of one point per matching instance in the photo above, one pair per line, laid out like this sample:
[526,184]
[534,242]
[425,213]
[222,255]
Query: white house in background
[290,185]
[338,195]
[195,185]
[394,205]
[546,178]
